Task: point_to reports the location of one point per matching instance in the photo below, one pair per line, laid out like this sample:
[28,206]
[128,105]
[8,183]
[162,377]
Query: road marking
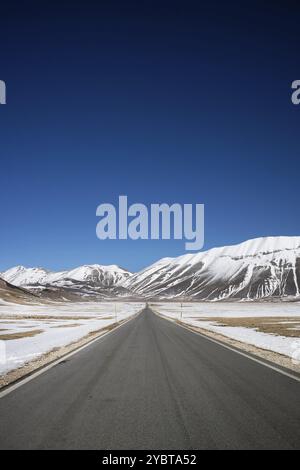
[28,378]
[236,350]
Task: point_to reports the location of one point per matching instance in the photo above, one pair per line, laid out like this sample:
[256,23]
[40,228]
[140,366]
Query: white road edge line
[277,369]
[32,376]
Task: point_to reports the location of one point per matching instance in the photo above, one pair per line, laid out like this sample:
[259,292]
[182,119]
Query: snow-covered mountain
[84,281]
[256,269]
[95,274]
[261,268]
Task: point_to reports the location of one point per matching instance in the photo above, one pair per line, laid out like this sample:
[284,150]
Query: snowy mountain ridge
[95,274]
[261,268]
[255,269]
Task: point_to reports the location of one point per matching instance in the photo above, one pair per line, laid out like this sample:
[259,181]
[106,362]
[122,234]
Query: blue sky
[183,102]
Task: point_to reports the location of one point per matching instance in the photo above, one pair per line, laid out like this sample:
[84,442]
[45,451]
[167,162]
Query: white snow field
[197,313]
[52,326]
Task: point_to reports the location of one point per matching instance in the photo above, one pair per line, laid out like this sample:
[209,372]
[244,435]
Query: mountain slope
[11,293]
[256,269]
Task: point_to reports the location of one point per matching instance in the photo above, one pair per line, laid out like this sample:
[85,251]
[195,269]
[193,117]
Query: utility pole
[116,316]
[180,311]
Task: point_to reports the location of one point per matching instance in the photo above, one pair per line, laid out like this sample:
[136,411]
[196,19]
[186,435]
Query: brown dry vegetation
[271,325]
[53,317]
[20,335]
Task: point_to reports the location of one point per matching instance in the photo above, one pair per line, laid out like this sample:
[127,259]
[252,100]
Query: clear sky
[176,101]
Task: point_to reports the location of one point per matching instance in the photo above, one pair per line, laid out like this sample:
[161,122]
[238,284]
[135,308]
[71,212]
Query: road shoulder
[270,358]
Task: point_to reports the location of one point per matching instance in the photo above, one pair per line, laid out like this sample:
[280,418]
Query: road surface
[153,385]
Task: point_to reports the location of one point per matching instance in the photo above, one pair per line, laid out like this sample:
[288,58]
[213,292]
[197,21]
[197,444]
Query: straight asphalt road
[153,385]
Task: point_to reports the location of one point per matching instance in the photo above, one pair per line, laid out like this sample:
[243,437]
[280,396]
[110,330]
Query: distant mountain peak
[94,274]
